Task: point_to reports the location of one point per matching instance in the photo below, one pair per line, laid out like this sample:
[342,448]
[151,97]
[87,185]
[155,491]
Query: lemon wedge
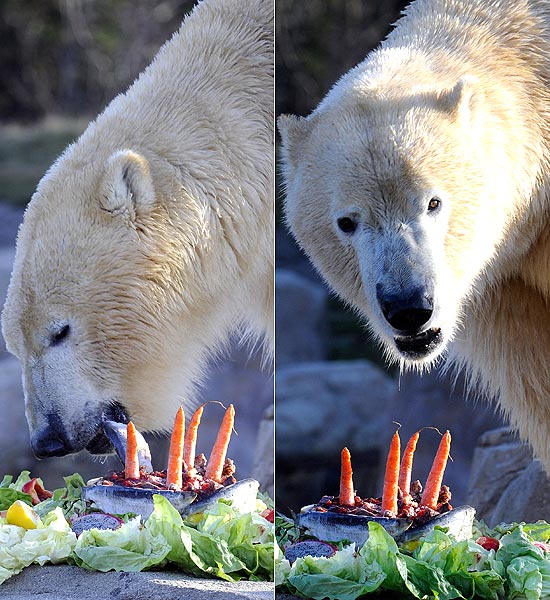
[22,515]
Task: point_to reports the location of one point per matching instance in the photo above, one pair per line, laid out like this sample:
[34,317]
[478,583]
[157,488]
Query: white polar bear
[420,189]
[150,239]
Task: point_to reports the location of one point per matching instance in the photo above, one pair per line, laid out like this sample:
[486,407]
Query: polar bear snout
[407,312]
[51,440]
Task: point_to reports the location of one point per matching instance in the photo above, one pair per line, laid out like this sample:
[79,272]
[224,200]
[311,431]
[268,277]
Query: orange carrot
[405,470]
[175,455]
[435,478]
[347,495]
[215,464]
[131,467]
[391,478]
[190,442]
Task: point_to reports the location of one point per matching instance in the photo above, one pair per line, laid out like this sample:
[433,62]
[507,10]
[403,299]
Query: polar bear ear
[293,130]
[127,185]
[462,99]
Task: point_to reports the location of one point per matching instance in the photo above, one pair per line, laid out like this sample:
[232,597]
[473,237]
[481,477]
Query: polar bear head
[401,194]
[94,305]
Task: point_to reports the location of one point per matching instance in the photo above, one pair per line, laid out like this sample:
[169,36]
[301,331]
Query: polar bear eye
[434,204]
[58,336]
[347,225]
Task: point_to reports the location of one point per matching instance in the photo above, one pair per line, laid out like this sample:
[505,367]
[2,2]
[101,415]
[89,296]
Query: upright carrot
[175,455]
[405,470]
[435,478]
[131,466]
[347,495]
[190,442]
[216,461]
[391,477]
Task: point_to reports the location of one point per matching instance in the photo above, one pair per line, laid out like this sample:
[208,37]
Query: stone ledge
[65,582]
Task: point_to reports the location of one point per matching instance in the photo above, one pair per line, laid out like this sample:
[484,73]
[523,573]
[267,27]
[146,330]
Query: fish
[334,527]
[116,434]
[119,499]
[458,522]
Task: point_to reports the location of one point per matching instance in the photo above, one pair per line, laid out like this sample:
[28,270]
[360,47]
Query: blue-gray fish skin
[119,499]
[333,527]
[116,434]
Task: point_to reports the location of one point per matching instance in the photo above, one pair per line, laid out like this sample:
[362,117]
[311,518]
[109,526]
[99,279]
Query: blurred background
[332,386]
[61,62]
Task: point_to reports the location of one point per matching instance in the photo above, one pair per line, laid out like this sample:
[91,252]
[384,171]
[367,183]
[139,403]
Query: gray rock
[320,408]
[64,582]
[323,406]
[437,400]
[6,263]
[10,219]
[300,323]
[264,464]
[506,484]
[239,379]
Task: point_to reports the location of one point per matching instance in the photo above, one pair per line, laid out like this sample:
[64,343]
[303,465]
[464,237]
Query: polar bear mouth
[420,345]
[101,443]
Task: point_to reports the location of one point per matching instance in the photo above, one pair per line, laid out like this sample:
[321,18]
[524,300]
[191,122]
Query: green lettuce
[129,548]
[10,490]
[52,541]
[438,567]
[220,542]
[68,498]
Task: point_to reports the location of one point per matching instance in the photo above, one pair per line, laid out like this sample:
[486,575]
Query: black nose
[405,313]
[49,442]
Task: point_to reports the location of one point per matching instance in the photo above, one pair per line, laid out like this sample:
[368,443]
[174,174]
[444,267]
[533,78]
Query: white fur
[454,104]
[152,235]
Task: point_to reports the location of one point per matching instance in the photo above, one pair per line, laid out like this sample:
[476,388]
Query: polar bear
[150,239]
[419,187]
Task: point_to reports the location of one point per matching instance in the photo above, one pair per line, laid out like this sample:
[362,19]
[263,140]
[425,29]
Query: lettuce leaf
[220,542]
[439,567]
[53,541]
[10,490]
[129,548]
[68,498]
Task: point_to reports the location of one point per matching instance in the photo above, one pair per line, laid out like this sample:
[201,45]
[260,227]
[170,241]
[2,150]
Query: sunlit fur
[454,104]
[152,235]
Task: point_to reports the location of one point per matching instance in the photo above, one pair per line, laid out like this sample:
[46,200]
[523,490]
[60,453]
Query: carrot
[391,477]
[175,455]
[190,442]
[435,478]
[131,467]
[214,468]
[347,494]
[405,469]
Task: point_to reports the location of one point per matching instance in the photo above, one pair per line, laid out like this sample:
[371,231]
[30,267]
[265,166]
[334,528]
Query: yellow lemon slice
[22,515]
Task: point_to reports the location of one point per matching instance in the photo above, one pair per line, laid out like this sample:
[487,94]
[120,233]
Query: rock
[64,582]
[322,407]
[300,324]
[439,400]
[7,256]
[239,379]
[506,484]
[264,464]
[526,498]
[10,219]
